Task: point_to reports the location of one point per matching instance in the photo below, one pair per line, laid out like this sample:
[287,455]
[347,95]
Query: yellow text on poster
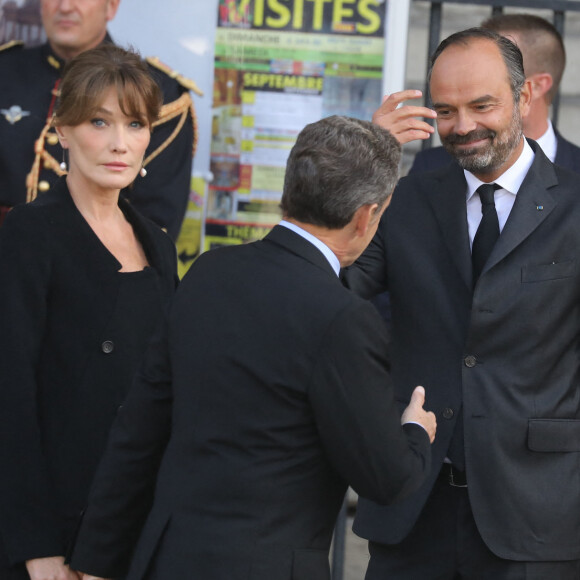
[279,14]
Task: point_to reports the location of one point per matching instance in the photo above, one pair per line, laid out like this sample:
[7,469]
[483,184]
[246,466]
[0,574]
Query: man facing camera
[544,56]
[481,259]
[267,393]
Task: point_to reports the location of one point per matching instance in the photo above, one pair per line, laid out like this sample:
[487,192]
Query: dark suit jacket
[271,388]
[507,352]
[567,155]
[60,386]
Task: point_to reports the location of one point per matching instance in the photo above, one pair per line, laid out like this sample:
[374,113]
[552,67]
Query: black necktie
[488,230]
[483,242]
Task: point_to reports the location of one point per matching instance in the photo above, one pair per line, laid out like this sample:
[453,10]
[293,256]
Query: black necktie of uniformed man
[488,230]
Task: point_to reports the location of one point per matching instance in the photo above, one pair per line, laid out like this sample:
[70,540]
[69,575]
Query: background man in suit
[544,56]
[267,394]
[498,336]
[30,153]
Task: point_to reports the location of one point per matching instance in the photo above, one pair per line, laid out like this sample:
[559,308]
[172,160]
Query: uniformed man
[30,154]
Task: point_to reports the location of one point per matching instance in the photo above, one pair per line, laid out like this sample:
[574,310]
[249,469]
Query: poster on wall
[279,65]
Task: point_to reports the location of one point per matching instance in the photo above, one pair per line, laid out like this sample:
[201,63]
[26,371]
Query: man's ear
[526,98]
[541,84]
[364,217]
[112,7]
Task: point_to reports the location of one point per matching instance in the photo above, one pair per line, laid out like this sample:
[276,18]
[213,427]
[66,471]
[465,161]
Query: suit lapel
[103,263]
[137,221]
[534,203]
[448,203]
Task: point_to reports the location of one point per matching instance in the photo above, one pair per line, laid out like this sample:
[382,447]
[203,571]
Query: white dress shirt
[509,181]
[548,142]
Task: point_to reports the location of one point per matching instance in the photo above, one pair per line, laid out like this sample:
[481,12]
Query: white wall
[181,33]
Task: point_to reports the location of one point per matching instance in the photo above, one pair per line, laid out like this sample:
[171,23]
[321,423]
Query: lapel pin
[539,207]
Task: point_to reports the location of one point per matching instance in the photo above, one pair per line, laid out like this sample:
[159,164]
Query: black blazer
[567,155]
[271,388]
[58,394]
[506,354]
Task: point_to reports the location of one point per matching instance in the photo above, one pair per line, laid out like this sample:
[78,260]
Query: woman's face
[107,150]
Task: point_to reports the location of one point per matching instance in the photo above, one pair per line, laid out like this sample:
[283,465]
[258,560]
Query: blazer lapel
[104,264]
[447,200]
[534,203]
[137,221]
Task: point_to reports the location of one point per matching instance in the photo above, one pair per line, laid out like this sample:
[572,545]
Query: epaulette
[183,81]
[10,45]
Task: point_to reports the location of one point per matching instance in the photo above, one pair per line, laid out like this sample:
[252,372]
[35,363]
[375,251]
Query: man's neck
[67,53]
[309,235]
[332,238]
[536,122]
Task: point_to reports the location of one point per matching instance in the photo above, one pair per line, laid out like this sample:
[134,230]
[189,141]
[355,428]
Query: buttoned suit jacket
[504,354]
[271,386]
[567,155]
[60,383]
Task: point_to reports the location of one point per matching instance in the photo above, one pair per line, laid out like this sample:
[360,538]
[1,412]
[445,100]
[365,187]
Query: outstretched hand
[404,122]
[415,413]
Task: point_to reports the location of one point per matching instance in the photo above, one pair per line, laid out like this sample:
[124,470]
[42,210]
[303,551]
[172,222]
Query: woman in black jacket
[84,280]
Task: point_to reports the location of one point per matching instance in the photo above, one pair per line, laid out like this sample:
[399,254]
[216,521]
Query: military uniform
[30,154]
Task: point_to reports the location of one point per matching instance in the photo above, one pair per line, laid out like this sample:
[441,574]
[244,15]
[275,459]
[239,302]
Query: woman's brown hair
[89,75]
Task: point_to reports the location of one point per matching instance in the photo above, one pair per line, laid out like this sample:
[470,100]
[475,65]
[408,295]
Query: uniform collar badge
[14,114]
[53,61]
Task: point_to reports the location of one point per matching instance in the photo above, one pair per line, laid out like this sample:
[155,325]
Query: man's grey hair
[336,166]
[510,53]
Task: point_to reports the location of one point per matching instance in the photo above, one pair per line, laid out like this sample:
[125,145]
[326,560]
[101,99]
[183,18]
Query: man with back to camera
[268,393]
[488,278]
[30,154]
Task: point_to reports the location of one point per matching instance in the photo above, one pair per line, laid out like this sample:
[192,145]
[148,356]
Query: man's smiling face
[478,121]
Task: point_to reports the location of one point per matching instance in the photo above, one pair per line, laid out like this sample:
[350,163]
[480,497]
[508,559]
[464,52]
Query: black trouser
[446,545]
